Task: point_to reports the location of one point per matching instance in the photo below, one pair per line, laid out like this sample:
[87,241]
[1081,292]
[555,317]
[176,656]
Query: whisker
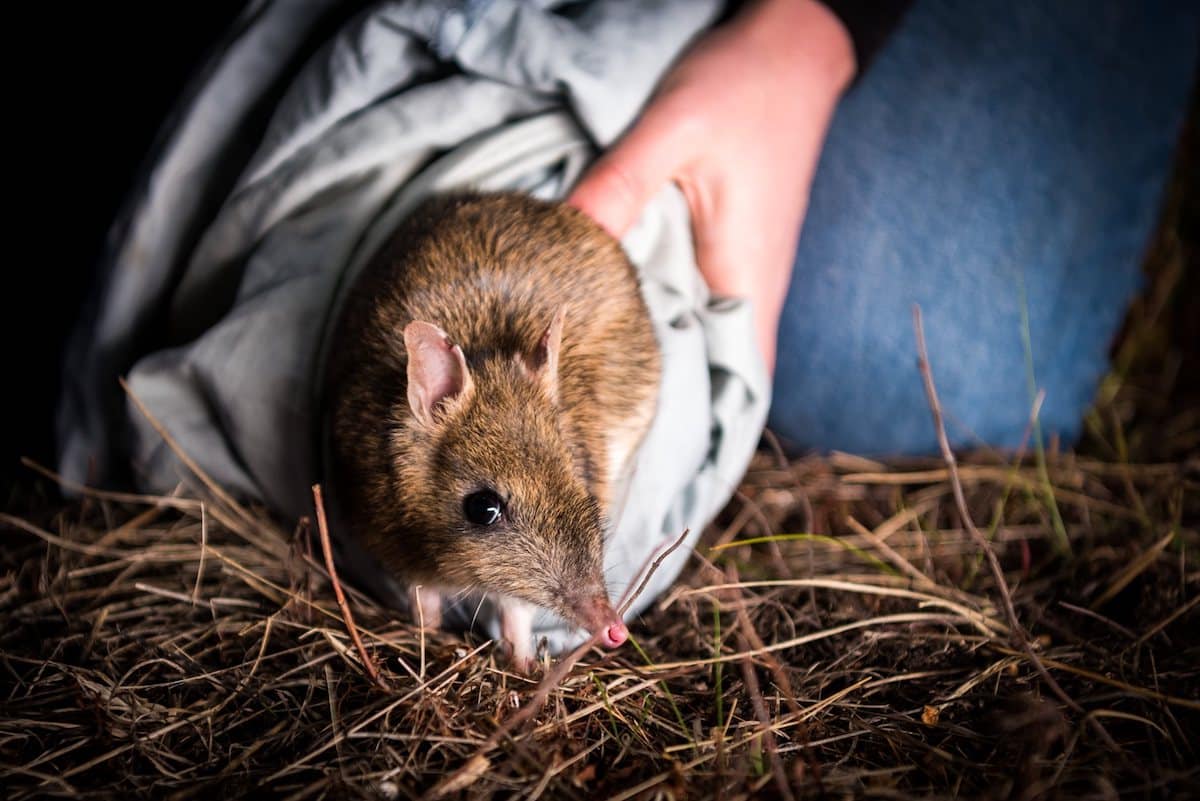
[478,606]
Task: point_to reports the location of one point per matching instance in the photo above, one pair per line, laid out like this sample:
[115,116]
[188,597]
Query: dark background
[89,86]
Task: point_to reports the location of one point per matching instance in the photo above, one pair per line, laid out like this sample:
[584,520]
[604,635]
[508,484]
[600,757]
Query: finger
[618,186]
[756,268]
[748,273]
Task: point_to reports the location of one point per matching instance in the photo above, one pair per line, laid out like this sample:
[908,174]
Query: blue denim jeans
[997,161]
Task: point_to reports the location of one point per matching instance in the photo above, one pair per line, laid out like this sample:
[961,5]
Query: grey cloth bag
[216,299]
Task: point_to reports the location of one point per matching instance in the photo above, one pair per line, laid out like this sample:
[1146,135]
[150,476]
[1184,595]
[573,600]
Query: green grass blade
[805,537]
[1062,543]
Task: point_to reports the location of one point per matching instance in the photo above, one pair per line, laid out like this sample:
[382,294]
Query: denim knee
[1002,167]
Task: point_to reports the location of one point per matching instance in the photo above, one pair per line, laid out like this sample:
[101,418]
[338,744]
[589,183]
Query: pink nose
[596,615]
[614,635]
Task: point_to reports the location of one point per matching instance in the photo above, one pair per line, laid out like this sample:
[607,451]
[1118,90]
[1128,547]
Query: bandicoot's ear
[544,364]
[437,369]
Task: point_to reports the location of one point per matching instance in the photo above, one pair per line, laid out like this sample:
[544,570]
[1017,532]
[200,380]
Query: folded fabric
[226,272]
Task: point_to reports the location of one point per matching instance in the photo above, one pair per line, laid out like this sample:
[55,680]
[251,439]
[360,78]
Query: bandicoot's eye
[483,508]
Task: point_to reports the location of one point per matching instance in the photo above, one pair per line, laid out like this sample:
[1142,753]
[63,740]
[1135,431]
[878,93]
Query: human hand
[738,124]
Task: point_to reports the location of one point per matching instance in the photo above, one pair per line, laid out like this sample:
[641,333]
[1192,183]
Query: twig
[203,553]
[1100,678]
[888,551]
[764,717]
[628,601]
[1017,631]
[323,529]
[1112,624]
[1168,620]
[420,629]
[1135,568]
[959,500]
[226,500]
[748,638]
[165,501]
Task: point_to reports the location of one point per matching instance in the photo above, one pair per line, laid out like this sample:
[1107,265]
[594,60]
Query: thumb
[618,186]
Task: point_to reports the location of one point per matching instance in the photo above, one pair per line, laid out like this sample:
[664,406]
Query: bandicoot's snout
[614,635]
[597,616]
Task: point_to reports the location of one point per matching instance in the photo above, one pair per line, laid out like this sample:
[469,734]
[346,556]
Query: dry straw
[838,639]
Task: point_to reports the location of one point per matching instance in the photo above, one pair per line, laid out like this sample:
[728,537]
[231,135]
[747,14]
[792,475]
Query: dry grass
[198,650]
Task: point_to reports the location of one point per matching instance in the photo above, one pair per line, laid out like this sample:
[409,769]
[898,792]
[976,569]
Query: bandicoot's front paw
[426,607]
[516,630]
[518,660]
